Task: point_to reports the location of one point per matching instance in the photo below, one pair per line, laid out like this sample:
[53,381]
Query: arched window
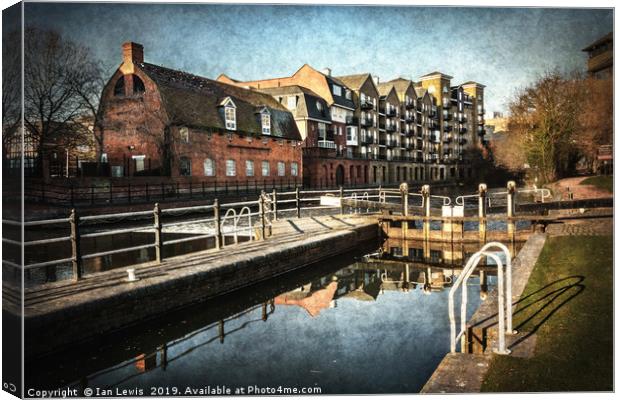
[119,87]
[138,85]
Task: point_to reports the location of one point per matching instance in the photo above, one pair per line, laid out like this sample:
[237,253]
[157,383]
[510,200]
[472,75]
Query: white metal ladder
[504,296]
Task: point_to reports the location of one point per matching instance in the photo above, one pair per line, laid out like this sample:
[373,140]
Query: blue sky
[502,48]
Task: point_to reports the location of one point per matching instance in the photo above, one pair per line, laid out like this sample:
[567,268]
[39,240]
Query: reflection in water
[335,325]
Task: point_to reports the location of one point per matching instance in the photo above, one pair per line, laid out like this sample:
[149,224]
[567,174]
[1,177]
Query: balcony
[325,144]
[367,105]
[410,105]
[447,128]
[447,117]
[352,120]
[390,128]
[366,140]
[391,143]
[382,142]
[367,122]
[462,130]
[410,118]
[390,112]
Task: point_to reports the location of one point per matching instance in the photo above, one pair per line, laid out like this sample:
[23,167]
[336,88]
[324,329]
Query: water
[347,325]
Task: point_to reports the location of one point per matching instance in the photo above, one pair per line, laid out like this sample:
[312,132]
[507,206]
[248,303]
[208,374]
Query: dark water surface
[345,326]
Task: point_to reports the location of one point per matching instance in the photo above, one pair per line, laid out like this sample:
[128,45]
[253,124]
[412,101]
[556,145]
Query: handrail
[469,268]
[506,252]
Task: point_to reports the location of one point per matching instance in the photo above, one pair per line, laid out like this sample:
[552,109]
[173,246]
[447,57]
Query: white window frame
[265,168]
[231,167]
[249,168]
[184,134]
[208,164]
[281,168]
[265,119]
[294,169]
[337,90]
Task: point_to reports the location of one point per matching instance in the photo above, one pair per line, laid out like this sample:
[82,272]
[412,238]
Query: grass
[568,304]
[603,182]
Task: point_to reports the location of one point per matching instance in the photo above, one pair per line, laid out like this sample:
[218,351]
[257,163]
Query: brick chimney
[133,53]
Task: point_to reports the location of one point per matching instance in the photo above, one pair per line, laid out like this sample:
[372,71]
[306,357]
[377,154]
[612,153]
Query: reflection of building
[601,57]
[311,301]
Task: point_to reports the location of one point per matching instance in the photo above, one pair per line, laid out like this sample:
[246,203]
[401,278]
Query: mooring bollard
[404,198]
[426,205]
[510,208]
[261,206]
[219,243]
[274,202]
[76,253]
[482,211]
[297,205]
[159,253]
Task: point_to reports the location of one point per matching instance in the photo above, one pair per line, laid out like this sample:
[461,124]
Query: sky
[502,48]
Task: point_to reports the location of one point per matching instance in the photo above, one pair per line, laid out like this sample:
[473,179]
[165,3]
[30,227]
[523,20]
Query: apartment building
[158,121]
[601,57]
[378,132]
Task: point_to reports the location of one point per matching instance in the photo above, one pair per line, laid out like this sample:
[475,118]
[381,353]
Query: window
[322,130]
[184,135]
[231,168]
[138,163]
[230,115]
[209,167]
[185,167]
[319,106]
[337,90]
[138,85]
[104,157]
[265,168]
[265,119]
[249,168]
[347,94]
[119,87]
[281,168]
[294,169]
[291,102]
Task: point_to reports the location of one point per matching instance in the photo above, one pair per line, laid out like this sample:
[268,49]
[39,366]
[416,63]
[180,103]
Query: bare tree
[11,90]
[60,78]
[545,118]
[596,118]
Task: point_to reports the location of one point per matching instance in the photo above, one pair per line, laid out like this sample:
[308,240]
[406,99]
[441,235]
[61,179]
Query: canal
[373,321]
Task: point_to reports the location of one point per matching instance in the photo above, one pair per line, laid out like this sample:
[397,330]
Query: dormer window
[230,114]
[337,90]
[347,94]
[319,106]
[265,119]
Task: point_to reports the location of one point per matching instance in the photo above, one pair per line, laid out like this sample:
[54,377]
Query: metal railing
[504,295]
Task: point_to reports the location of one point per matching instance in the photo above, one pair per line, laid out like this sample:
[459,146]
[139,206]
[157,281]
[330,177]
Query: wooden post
[482,212]
[159,247]
[76,253]
[341,199]
[261,205]
[404,195]
[297,204]
[510,208]
[274,195]
[218,228]
[426,202]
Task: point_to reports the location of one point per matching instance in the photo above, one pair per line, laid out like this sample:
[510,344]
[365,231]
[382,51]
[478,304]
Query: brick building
[601,57]
[158,121]
[394,131]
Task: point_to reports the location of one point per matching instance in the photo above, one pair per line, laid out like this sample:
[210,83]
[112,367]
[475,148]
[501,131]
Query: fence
[218,224]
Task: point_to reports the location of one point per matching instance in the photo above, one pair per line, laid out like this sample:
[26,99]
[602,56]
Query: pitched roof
[307,101]
[436,73]
[195,101]
[385,88]
[472,83]
[354,81]
[607,38]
